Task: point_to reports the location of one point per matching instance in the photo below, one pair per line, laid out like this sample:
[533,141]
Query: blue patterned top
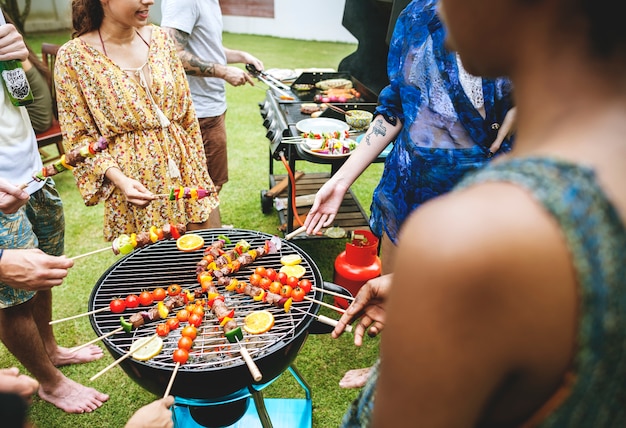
[596,238]
[443,135]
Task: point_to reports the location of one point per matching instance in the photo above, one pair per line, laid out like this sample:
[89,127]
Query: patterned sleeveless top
[594,393]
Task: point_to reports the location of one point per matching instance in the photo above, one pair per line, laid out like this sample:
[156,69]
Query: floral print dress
[153,133]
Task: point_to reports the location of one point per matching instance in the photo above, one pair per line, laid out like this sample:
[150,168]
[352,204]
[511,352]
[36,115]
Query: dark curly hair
[86,16]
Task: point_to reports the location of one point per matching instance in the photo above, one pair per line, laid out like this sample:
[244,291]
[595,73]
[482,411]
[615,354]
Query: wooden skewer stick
[324,319]
[171,382]
[319,302]
[95,311]
[254,370]
[119,360]
[97,339]
[337,109]
[332,293]
[296,232]
[90,253]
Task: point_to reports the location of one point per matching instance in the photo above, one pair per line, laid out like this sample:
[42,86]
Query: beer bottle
[14,79]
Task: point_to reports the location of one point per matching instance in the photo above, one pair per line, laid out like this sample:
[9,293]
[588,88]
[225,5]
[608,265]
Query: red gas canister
[357,264]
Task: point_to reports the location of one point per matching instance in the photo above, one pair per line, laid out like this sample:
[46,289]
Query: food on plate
[310,108]
[334,84]
[258,322]
[71,159]
[359,119]
[146,348]
[181,192]
[297,271]
[190,242]
[125,244]
[331,146]
[303,87]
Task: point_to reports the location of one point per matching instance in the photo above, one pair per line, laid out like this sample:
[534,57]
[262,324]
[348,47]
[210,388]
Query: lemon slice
[147,347]
[335,232]
[190,242]
[291,259]
[293,270]
[258,322]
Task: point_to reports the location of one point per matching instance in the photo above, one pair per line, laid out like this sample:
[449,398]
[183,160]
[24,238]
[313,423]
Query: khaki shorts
[213,131]
[38,224]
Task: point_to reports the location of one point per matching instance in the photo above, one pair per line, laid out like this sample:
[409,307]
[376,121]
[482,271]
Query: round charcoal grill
[215,368]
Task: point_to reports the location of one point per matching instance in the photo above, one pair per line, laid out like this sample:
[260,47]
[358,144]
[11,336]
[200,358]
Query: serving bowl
[359,119]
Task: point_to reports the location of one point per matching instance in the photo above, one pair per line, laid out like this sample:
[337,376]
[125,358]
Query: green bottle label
[16,83]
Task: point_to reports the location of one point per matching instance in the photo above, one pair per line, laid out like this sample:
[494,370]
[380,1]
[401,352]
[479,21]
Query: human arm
[12,382]
[369,307]
[506,129]
[32,269]
[134,191]
[328,199]
[154,415]
[40,110]
[11,197]
[195,66]
[471,319]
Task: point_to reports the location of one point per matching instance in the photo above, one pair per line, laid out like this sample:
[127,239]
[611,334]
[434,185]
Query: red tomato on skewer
[132,301]
[180,356]
[306,285]
[145,298]
[159,294]
[117,306]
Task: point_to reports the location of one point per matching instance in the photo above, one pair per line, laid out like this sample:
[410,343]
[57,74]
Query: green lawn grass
[322,361]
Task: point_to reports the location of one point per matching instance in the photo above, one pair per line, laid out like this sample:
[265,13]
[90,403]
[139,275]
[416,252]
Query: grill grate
[162,264]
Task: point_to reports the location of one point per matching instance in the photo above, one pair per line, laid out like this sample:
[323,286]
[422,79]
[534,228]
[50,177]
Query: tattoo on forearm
[377,129]
[193,65]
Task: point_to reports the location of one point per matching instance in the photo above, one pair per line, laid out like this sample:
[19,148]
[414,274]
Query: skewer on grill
[120,359]
[171,382]
[296,232]
[319,302]
[332,293]
[95,311]
[323,319]
[97,339]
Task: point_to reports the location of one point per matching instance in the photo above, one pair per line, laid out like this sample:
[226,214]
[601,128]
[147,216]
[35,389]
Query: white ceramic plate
[327,155]
[320,125]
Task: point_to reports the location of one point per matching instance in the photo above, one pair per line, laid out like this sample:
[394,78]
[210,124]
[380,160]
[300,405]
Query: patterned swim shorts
[38,224]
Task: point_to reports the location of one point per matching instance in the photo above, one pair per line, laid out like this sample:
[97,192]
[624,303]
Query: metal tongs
[270,81]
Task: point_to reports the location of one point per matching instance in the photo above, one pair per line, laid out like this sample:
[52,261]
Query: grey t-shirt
[202,20]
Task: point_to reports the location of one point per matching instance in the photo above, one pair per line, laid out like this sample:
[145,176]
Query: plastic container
[357,264]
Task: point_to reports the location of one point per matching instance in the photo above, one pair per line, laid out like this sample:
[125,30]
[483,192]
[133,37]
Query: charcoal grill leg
[259,403]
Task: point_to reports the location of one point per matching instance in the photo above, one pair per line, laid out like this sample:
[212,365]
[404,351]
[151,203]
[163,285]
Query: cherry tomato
[185,343]
[180,356]
[282,277]
[297,294]
[189,331]
[292,281]
[286,290]
[145,298]
[162,329]
[264,283]
[195,320]
[182,315]
[255,279]
[132,301]
[270,273]
[260,270]
[190,307]
[159,294]
[275,287]
[174,290]
[198,309]
[306,285]
[117,306]
[172,323]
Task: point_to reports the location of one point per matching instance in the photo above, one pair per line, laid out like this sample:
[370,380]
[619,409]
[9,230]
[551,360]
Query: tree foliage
[12,8]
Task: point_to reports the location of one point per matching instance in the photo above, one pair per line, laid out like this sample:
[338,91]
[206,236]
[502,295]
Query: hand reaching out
[154,415]
[11,197]
[32,269]
[368,307]
[12,382]
[325,206]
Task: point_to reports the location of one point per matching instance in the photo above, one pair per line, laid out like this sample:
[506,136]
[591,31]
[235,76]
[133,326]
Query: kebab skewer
[69,160]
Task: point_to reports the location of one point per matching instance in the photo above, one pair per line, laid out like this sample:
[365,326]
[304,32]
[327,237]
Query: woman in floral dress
[121,79]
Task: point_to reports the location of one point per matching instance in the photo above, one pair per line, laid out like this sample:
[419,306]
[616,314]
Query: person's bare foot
[66,356]
[72,397]
[355,378]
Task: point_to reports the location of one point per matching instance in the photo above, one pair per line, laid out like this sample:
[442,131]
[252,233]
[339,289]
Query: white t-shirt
[19,156]
[202,20]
